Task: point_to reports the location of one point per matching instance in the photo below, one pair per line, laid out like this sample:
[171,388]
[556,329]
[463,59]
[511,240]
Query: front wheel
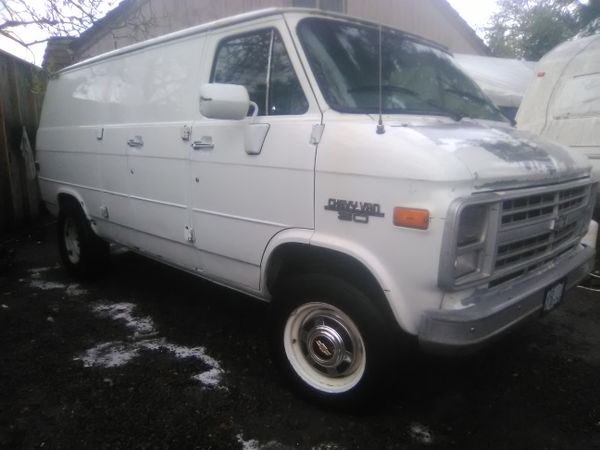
[330,339]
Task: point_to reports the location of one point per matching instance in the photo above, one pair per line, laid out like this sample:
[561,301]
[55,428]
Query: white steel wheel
[71,239]
[324,347]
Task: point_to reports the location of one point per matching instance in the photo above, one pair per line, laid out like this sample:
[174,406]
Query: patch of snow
[252,444]
[191,352]
[37,270]
[109,354]
[124,312]
[210,378]
[46,285]
[421,434]
[118,353]
[74,290]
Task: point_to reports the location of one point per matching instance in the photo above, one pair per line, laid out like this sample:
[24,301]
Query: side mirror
[224,101]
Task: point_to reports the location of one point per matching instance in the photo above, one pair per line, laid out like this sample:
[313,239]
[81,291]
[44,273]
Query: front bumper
[497,310]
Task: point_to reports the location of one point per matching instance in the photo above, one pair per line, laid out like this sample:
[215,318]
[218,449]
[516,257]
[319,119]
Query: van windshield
[416,78]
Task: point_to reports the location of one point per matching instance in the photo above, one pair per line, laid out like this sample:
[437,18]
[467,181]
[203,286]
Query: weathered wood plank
[6,209]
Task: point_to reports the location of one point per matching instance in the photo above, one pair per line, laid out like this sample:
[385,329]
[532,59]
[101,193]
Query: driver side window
[259,61]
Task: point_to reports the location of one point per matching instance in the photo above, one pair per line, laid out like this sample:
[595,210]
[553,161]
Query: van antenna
[380,127]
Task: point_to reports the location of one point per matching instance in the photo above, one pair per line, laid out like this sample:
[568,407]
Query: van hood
[499,156]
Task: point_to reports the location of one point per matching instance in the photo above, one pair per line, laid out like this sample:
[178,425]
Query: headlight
[472,225]
[470,240]
[466,264]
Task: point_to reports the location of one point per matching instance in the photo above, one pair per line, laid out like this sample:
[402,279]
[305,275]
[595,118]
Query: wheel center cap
[323,348]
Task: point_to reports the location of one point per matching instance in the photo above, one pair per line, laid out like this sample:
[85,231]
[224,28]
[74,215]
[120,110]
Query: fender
[340,245]
[373,264]
[287,236]
[72,193]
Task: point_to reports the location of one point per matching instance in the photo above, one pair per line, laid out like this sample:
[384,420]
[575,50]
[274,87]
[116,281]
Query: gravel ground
[150,357]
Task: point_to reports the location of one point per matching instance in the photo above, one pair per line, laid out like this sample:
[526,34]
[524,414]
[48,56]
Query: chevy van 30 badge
[354,211]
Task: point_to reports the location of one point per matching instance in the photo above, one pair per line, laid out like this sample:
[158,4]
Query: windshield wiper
[384,87]
[480,100]
[447,112]
[475,98]
[396,88]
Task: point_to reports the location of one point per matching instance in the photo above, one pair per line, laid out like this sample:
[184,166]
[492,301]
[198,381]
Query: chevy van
[348,173]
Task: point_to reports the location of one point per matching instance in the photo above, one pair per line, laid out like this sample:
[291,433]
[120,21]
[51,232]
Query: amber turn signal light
[411,218]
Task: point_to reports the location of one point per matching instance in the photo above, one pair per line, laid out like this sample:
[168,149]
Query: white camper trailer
[563,101]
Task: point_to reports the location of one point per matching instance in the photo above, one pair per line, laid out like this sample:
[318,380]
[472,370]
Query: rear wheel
[330,340]
[82,252]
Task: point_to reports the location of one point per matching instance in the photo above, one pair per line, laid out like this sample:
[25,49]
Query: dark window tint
[244,60]
[285,94]
[260,62]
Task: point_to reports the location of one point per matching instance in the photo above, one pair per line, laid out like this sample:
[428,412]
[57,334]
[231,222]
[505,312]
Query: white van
[563,102]
[251,152]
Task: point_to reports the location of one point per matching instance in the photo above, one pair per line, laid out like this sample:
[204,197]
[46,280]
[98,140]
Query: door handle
[205,143]
[136,142]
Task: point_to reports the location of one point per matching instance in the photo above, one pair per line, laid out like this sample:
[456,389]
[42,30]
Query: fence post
[6,207]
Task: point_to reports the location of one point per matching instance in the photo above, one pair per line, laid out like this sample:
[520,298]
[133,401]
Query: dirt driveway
[149,357]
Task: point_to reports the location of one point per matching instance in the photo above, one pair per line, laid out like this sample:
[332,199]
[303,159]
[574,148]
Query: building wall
[21,91]
[158,17]
[428,18]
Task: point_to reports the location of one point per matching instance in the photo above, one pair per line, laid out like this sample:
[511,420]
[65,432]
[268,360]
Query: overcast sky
[475,12]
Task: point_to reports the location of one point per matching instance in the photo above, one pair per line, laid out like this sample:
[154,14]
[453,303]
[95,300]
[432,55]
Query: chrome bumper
[497,310]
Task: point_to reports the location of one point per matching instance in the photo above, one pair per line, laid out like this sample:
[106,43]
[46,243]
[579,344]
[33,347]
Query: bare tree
[49,17]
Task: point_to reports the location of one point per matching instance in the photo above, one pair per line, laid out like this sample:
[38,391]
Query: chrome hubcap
[327,344]
[324,347]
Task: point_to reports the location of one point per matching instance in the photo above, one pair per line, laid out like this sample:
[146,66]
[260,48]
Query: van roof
[240,18]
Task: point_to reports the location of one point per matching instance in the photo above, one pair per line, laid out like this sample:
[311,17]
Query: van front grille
[498,237]
[537,228]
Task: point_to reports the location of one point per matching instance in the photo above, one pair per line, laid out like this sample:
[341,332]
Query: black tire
[332,343]
[82,253]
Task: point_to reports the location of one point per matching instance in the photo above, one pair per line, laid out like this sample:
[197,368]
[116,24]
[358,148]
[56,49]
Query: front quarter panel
[354,164]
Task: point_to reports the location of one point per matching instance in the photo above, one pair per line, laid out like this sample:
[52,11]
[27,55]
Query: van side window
[259,61]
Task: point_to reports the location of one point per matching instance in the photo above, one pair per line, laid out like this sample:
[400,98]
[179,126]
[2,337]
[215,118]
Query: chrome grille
[514,233]
[535,229]
[526,208]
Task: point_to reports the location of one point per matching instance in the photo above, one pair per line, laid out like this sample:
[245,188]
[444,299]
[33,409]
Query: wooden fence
[21,92]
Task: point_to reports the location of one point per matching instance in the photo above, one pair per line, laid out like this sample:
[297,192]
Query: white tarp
[503,80]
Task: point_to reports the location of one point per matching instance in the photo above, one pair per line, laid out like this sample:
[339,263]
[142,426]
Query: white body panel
[117,133]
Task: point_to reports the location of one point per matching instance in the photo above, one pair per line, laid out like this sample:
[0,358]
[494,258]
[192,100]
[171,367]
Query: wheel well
[68,201]
[294,259]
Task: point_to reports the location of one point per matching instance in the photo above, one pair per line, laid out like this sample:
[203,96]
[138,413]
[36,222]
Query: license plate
[554,295]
